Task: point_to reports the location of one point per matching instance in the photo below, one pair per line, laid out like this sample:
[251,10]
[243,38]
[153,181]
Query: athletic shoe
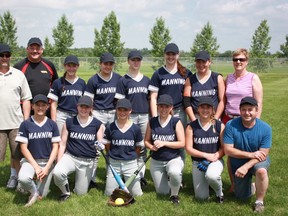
[258,207]
[21,190]
[220,199]
[32,199]
[175,199]
[143,182]
[64,197]
[12,182]
[92,184]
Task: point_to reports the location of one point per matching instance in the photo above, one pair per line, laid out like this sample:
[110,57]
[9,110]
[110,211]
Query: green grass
[275,112]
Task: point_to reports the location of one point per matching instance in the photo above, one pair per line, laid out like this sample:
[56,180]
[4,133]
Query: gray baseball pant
[167,175]
[83,168]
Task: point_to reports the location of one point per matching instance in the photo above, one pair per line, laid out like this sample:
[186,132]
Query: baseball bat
[133,176]
[115,174]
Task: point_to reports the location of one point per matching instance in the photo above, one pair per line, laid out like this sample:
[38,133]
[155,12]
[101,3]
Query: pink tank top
[236,90]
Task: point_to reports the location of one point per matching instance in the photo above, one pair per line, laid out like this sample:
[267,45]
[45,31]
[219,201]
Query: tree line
[108,39]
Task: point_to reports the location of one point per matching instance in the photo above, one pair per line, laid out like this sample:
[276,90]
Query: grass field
[275,112]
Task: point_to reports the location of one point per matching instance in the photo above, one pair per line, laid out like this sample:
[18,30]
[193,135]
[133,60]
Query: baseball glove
[203,165]
[118,193]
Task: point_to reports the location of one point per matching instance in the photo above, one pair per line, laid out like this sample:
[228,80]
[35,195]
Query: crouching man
[247,140]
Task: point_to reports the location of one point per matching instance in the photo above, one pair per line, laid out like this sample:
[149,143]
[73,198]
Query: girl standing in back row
[65,92]
[203,83]
[134,86]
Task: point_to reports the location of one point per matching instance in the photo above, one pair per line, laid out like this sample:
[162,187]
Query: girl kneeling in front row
[164,137]
[204,144]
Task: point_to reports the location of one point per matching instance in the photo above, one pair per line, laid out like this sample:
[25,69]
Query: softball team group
[170,115]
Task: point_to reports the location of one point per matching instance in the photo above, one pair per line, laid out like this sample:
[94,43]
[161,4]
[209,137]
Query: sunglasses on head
[7,55]
[239,59]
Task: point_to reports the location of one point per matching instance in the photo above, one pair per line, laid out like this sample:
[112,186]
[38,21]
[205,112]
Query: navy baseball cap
[40,97]
[4,48]
[202,55]
[205,100]
[165,100]
[171,47]
[249,100]
[85,100]
[135,54]
[123,103]
[107,57]
[71,59]
[34,40]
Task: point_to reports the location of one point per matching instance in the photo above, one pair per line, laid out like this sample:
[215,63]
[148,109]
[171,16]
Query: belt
[232,116]
[81,158]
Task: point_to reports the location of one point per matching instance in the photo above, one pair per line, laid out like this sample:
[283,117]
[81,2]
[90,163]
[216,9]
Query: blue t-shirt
[67,94]
[247,139]
[39,137]
[136,91]
[164,133]
[209,88]
[81,138]
[205,140]
[102,91]
[123,143]
[164,82]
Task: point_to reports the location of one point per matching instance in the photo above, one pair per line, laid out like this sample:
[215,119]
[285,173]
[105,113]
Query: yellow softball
[119,201]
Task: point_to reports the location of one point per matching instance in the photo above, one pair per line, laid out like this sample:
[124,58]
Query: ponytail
[181,69]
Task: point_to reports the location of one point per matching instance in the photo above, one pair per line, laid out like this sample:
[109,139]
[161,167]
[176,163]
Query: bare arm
[260,155]
[258,93]
[53,108]
[221,95]
[147,140]
[28,156]
[242,171]
[53,155]
[196,153]
[63,142]
[179,143]
[100,133]
[153,103]
[26,106]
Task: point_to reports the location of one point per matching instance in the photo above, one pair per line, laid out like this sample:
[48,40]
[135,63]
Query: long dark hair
[182,70]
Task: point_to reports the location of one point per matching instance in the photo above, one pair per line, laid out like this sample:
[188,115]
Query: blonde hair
[241,51]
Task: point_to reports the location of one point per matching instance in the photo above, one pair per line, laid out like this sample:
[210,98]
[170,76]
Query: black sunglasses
[239,59]
[7,55]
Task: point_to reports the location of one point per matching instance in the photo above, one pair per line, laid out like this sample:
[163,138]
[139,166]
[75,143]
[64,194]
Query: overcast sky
[234,22]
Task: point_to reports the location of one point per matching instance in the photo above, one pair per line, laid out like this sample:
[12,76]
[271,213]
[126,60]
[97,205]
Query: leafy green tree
[159,37]
[284,49]
[108,39]
[49,49]
[227,53]
[259,48]
[63,37]
[205,40]
[8,30]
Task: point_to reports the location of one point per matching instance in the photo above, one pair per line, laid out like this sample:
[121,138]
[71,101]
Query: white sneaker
[12,182]
[21,190]
[32,199]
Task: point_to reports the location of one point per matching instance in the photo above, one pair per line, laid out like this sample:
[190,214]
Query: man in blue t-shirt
[247,140]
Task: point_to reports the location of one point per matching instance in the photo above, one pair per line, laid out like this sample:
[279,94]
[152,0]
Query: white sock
[13,172]
[259,201]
